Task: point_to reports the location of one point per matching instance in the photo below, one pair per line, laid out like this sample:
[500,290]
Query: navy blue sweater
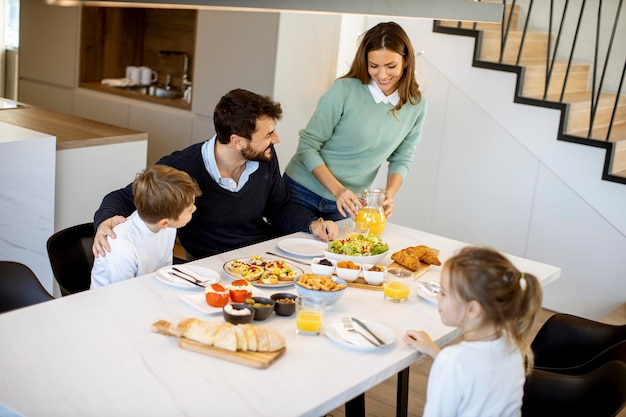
[224,220]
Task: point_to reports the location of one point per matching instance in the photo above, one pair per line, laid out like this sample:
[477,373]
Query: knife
[364,327]
[187,274]
[185,278]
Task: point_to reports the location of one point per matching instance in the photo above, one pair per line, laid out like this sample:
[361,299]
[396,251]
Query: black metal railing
[569,34]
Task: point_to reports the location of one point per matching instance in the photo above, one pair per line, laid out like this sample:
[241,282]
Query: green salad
[359,246]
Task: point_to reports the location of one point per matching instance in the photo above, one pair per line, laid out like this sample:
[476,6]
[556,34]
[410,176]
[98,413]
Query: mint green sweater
[353,136]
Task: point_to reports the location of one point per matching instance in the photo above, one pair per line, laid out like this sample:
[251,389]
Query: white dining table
[94,354]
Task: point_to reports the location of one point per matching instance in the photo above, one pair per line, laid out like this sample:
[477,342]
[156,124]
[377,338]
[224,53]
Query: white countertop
[93,353]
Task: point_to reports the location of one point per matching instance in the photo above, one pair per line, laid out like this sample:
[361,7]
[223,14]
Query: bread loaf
[241,337]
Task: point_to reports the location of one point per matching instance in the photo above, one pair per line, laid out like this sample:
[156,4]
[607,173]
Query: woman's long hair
[391,36]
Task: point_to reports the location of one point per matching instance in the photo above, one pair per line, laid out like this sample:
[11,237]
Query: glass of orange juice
[309,315]
[354,229]
[397,284]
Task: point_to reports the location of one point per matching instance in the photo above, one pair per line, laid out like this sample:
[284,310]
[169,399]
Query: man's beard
[256,156]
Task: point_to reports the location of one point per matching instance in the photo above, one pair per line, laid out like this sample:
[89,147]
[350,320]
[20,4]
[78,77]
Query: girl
[495,306]
[373,114]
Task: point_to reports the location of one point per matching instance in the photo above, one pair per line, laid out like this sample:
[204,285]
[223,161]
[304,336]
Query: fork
[347,324]
[188,275]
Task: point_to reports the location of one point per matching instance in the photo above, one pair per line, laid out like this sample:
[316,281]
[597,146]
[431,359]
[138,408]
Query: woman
[373,114]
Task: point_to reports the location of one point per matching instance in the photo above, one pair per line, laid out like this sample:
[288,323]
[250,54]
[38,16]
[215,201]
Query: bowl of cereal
[321,287]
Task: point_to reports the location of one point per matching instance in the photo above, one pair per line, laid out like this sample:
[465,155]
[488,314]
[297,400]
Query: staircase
[589,115]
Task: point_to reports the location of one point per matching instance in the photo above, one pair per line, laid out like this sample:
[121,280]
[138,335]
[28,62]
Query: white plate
[339,334]
[198,301]
[206,274]
[261,285]
[303,247]
[428,290]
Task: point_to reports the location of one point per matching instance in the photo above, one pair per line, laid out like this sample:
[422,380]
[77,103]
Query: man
[244,200]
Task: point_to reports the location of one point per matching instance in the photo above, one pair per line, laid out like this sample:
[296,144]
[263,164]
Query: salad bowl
[361,249]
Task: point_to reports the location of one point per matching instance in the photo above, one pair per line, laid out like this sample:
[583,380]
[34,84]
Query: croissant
[412,257]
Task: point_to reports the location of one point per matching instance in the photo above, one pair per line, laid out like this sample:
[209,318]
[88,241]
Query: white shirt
[380,97]
[478,379]
[135,251]
[208,156]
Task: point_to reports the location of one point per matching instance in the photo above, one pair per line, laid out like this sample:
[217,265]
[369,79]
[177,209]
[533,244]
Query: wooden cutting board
[259,360]
[360,282]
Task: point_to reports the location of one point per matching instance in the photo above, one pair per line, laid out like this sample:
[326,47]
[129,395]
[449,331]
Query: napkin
[118,82]
[351,337]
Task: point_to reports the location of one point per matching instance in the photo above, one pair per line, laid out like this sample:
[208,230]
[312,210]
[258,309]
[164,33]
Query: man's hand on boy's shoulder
[105,229]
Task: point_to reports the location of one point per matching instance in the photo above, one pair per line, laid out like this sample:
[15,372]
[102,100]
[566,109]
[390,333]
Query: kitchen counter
[70,131]
[170,102]
[54,170]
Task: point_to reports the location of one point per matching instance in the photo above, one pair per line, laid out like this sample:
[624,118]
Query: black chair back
[70,255]
[600,393]
[567,341]
[19,287]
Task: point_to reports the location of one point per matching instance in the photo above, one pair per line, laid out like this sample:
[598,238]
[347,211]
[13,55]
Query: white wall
[491,172]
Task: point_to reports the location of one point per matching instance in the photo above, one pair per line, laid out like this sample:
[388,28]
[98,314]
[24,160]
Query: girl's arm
[421,341]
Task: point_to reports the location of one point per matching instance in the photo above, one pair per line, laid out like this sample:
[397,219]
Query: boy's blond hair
[163,192]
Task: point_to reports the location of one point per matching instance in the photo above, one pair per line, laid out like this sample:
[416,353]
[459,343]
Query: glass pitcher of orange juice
[372,211]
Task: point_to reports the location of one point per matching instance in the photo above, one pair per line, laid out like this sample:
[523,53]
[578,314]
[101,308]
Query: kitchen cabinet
[170,129]
[48,43]
[27,164]
[54,171]
[233,50]
[101,107]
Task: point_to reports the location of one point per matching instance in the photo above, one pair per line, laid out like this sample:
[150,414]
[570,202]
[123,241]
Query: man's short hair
[163,192]
[237,113]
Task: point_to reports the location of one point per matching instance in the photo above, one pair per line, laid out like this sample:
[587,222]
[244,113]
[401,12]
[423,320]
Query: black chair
[70,255]
[19,287]
[599,393]
[573,345]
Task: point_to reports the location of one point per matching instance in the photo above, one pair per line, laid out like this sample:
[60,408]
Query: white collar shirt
[380,97]
[208,156]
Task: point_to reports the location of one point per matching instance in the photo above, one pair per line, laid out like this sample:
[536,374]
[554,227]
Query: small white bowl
[373,277]
[349,274]
[318,269]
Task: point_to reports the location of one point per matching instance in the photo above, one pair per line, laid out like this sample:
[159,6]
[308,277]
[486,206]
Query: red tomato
[216,295]
[239,290]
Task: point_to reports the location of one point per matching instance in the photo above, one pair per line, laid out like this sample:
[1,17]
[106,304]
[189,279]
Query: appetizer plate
[428,291]
[280,284]
[303,247]
[339,334]
[207,275]
[198,301]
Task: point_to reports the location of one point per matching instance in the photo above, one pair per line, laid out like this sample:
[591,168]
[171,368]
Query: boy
[165,200]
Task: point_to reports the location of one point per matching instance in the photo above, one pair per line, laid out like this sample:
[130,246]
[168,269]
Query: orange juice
[309,321]
[396,291]
[375,219]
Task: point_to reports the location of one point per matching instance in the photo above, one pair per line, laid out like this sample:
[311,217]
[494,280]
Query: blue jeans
[319,206]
